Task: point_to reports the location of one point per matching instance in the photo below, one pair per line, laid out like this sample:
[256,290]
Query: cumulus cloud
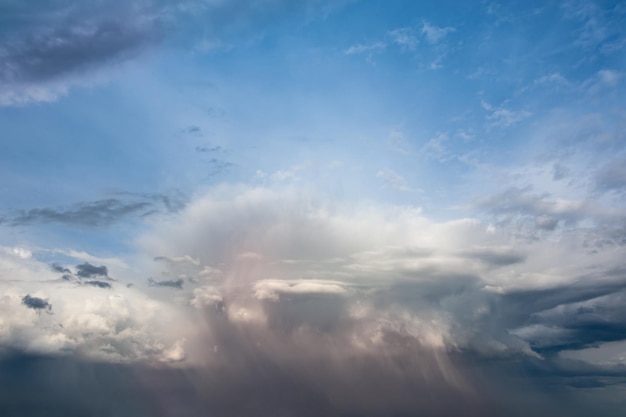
[280,286]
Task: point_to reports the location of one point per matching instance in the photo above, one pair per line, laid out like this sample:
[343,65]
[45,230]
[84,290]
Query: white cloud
[365,48]
[502,117]
[405,38]
[434,34]
[393,180]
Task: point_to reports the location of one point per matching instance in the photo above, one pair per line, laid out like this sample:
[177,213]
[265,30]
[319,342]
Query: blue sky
[453,173]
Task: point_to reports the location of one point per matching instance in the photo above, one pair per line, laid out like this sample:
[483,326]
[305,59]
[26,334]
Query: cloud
[502,117]
[393,180]
[98,284]
[120,325]
[87,270]
[170,283]
[100,213]
[206,149]
[547,211]
[405,38]
[41,63]
[36,303]
[61,269]
[612,177]
[361,48]
[281,286]
[92,214]
[435,34]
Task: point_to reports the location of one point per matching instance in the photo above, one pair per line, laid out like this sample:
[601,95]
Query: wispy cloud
[435,34]
[365,48]
[502,117]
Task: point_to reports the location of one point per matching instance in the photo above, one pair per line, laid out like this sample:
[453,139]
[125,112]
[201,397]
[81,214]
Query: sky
[302,208]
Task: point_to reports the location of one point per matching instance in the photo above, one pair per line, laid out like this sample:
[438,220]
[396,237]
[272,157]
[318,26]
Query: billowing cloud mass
[315,208]
[328,302]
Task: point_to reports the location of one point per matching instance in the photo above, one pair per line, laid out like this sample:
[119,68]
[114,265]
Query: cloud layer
[276,286]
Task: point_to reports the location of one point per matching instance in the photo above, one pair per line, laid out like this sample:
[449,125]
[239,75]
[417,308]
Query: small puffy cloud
[87,270]
[36,303]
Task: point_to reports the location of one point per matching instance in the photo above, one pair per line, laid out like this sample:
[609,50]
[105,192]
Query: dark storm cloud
[255,387]
[36,303]
[88,270]
[173,283]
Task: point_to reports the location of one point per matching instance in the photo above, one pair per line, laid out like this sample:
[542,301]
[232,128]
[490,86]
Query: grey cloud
[48,47]
[75,47]
[86,270]
[57,46]
[612,177]
[206,149]
[547,212]
[58,268]
[36,303]
[193,130]
[217,166]
[172,283]
[98,284]
[92,214]
[102,212]
[496,257]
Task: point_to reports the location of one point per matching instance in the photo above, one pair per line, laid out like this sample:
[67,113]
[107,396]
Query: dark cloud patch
[76,46]
[612,177]
[172,202]
[88,270]
[218,166]
[48,46]
[104,212]
[496,257]
[91,214]
[98,284]
[193,130]
[173,283]
[207,149]
[36,303]
[61,269]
